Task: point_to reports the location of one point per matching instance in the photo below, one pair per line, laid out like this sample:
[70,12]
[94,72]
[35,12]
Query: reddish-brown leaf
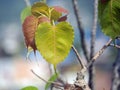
[43,19]
[29,27]
[63,18]
[60,9]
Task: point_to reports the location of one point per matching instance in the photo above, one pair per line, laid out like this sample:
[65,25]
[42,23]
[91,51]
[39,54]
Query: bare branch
[55,83]
[78,57]
[93,32]
[99,52]
[81,31]
[27,2]
[117,46]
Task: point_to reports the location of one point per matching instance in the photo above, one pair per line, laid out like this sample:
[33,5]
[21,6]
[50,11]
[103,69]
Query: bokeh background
[15,69]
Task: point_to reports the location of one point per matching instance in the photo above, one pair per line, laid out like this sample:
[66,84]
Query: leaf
[52,79]
[55,15]
[29,27]
[109,17]
[60,9]
[54,42]
[44,19]
[63,18]
[30,88]
[25,12]
[40,8]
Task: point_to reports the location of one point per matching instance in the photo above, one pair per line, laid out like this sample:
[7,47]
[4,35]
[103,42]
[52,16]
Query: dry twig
[93,32]
[81,31]
[99,53]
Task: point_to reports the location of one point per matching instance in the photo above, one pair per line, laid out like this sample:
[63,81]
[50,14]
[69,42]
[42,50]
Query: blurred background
[15,69]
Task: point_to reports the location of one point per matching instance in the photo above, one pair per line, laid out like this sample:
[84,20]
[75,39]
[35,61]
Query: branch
[117,46]
[81,31]
[93,32]
[27,2]
[99,52]
[78,57]
[55,83]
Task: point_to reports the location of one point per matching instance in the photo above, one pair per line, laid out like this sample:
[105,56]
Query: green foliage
[40,9]
[54,42]
[30,88]
[109,17]
[25,12]
[52,79]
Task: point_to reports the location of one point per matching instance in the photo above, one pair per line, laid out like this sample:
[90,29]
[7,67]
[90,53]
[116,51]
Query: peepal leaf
[43,19]
[55,15]
[30,88]
[25,12]
[109,17]
[40,9]
[60,9]
[54,42]
[52,79]
[63,18]
[29,27]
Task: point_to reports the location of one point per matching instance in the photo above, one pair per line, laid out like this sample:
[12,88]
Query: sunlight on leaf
[40,8]
[55,15]
[54,42]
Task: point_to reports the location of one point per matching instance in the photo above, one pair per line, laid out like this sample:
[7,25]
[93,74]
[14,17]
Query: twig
[93,32]
[78,57]
[55,83]
[27,2]
[81,31]
[99,52]
[117,46]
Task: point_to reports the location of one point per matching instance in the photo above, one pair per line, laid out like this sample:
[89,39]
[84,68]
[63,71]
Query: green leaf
[55,15]
[30,88]
[52,79]
[54,42]
[40,9]
[109,17]
[25,12]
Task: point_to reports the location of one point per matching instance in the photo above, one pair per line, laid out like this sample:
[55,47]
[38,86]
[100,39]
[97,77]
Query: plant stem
[94,27]
[91,69]
[55,83]
[81,31]
[78,57]
[99,53]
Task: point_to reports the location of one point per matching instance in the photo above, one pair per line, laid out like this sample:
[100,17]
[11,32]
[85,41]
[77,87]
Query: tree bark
[116,73]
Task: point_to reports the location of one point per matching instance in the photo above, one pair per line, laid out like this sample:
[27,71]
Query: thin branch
[55,83]
[78,57]
[27,2]
[100,52]
[117,46]
[81,31]
[93,32]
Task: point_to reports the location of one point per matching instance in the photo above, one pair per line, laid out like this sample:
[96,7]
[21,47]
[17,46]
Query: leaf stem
[55,83]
